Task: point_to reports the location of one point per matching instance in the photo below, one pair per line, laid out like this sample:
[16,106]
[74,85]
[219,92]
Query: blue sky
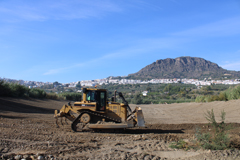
[73,40]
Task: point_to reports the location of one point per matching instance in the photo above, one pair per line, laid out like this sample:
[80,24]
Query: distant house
[144,93]
[72,85]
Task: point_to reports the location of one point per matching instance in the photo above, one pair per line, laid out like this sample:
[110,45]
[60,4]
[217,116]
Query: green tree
[55,84]
[149,89]
[78,86]
[137,99]
[18,90]
[37,93]
[167,88]
[175,89]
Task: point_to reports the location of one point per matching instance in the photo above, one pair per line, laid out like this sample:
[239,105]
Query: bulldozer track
[92,114]
[102,116]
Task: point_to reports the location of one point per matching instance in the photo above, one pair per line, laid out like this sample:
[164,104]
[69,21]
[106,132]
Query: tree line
[20,91]
[157,93]
[174,93]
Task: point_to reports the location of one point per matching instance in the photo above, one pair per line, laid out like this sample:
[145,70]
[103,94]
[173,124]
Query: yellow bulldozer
[95,111]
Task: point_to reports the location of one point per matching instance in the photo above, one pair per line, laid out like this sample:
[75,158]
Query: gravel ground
[28,131]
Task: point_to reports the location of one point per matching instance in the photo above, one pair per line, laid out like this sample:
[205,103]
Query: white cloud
[97,61]
[53,71]
[224,27]
[143,46]
[13,10]
[60,70]
[232,66]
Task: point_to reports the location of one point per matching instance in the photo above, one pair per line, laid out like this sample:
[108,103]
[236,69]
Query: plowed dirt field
[27,129]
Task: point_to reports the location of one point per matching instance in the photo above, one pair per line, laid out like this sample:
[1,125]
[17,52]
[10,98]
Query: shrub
[181,144]
[233,93]
[52,96]
[137,99]
[210,98]
[200,99]
[70,96]
[146,102]
[17,90]
[164,101]
[222,96]
[37,93]
[4,88]
[215,98]
[219,139]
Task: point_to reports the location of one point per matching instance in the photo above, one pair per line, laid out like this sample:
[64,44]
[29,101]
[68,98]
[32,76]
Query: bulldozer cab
[98,96]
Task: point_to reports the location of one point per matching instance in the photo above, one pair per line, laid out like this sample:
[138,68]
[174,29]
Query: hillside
[183,67]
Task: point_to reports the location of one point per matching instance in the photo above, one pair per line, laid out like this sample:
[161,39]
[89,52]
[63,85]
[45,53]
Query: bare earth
[27,129]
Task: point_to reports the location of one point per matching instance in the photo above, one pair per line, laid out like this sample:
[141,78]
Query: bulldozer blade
[140,118]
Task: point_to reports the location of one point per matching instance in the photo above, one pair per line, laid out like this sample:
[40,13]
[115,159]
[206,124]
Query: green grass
[181,144]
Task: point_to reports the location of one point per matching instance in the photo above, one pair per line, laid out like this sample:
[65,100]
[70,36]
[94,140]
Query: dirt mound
[28,129]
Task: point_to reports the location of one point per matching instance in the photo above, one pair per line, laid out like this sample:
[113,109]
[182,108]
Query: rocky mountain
[184,67]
